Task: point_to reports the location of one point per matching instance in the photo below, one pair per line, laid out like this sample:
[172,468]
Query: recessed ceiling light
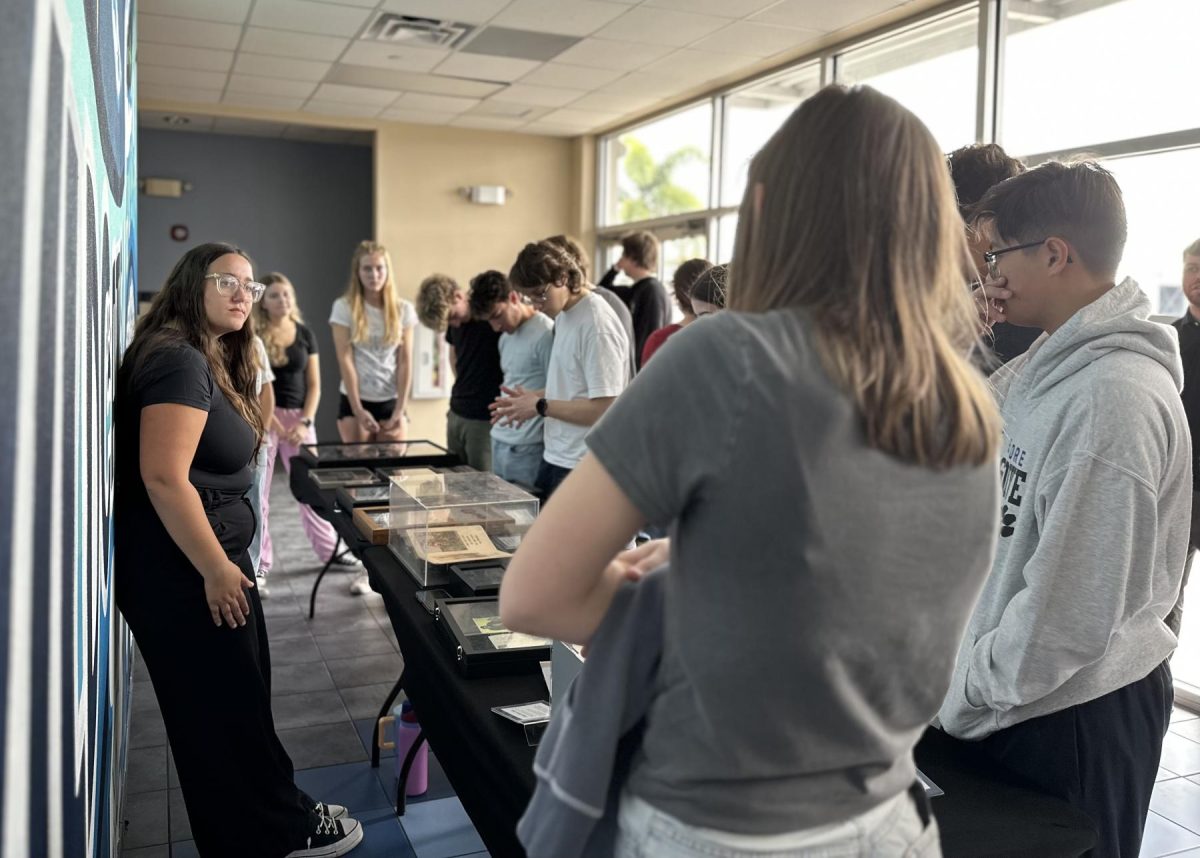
[175,119]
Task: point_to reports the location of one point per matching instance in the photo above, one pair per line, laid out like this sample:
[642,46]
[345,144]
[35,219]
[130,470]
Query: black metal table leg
[312,599]
[402,783]
[383,711]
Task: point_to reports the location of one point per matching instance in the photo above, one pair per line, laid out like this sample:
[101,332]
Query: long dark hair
[177,317]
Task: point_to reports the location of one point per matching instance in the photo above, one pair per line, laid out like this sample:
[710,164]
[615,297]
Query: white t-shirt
[374,360]
[265,374]
[524,357]
[590,360]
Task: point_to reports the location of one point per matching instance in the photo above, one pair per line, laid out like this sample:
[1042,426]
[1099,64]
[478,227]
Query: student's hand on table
[516,406]
[989,300]
[366,422]
[223,589]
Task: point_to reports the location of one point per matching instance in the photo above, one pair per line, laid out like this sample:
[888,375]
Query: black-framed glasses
[227,285]
[990,256]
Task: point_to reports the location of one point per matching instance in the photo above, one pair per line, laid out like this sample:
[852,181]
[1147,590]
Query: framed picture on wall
[432,378]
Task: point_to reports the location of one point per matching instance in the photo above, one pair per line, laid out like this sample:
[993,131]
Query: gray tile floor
[329,678]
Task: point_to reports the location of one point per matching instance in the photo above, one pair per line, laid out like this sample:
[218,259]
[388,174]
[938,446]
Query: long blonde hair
[849,213]
[276,351]
[393,332]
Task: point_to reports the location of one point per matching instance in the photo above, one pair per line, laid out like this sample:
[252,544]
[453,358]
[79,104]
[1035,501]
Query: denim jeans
[517,463]
[892,830]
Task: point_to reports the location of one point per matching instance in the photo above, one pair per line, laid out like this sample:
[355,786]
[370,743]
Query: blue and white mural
[68,253]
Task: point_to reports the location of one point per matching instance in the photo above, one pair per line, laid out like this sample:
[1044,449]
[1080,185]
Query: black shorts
[379,410]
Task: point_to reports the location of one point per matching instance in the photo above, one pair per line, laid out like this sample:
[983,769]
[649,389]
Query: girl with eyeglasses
[187,427]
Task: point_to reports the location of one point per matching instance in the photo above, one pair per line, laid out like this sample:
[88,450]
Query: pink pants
[320,533]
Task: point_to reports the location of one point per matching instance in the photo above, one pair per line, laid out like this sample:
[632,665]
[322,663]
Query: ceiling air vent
[421,32]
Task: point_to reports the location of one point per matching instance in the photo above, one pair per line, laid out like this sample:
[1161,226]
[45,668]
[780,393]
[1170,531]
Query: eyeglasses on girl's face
[228,285]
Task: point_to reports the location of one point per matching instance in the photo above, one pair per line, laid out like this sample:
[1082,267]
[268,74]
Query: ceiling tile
[524,112]
[485,68]
[162,92]
[248,127]
[824,17]
[283,67]
[569,17]
[722,8]
[466,11]
[342,108]
[321,18]
[271,85]
[157,120]
[698,66]
[550,129]
[267,102]
[645,84]
[355,94]
[401,80]
[421,117]
[397,57]
[760,40]
[610,54]
[579,118]
[305,46]
[520,44]
[571,77]
[171,76]
[227,11]
[661,26]
[621,103]
[487,123]
[202,59]
[163,30]
[541,96]
[416,101]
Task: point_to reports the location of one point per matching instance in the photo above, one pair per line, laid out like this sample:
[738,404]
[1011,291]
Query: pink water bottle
[407,730]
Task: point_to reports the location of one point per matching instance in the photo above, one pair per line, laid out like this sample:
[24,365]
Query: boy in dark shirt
[647,298]
[475,356]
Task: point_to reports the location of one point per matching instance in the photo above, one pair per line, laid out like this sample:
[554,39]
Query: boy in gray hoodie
[1063,671]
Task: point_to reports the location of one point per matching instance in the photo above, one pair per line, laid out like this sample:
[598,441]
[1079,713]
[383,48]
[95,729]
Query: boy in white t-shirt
[589,363]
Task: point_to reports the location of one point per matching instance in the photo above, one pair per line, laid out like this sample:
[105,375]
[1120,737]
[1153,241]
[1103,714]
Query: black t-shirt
[649,304]
[291,377]
[1189,351]
[180,374]
[477,369]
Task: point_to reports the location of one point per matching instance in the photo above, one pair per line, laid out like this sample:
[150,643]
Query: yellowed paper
[444,545]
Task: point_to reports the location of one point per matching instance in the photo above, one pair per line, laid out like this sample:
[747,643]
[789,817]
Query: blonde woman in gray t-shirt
[372,334]
[825,456]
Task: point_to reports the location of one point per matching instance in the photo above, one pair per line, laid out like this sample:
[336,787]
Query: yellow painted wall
[428,227]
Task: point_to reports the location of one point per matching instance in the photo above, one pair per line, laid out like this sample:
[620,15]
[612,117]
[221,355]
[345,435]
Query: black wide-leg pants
[214,689]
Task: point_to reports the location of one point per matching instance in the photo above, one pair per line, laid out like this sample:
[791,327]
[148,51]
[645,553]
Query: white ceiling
[559,67]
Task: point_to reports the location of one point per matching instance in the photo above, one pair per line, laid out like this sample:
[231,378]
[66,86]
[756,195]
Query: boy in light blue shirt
[525,342]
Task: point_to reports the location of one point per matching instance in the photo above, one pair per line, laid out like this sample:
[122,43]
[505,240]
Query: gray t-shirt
[374,359]
[524,357]
[818,587]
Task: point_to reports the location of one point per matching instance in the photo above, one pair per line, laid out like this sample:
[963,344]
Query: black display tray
[478,577]
[480,644]
[415,453]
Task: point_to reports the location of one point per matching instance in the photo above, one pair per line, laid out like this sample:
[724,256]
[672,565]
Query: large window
[752,115]
[1082,72]
[1157,189]
[660,168]
[931,68]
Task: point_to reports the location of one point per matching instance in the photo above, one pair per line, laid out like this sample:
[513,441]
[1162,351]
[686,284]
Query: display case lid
[333,452]
[438,491]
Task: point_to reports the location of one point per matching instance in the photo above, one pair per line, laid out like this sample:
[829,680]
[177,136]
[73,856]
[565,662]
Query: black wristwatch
[541,407]
[306,422]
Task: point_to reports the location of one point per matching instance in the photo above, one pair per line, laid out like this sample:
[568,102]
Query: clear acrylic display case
[441,519]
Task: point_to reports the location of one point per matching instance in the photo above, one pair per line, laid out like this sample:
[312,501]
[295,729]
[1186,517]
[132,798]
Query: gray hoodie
[1096,492]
